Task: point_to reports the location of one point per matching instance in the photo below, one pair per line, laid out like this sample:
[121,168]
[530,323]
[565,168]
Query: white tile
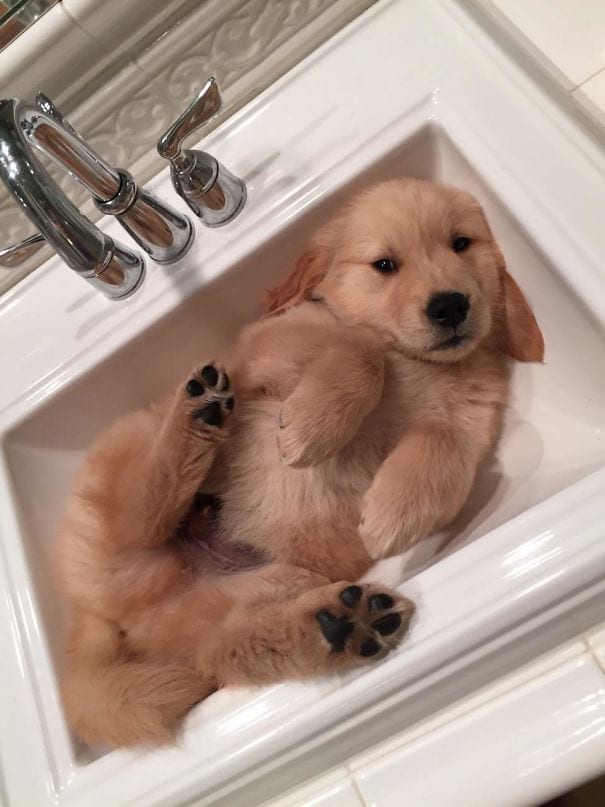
[336,789]
[591,97]
[53,55]
[520,748]
[137,21]
[568,34]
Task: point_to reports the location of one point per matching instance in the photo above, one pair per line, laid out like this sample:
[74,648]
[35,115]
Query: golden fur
[357,430]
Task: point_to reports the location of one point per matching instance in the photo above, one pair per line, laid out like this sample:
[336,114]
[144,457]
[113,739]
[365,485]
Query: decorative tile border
[248,44]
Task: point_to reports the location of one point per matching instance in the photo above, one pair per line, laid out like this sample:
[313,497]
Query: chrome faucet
[212,192]
[117,271]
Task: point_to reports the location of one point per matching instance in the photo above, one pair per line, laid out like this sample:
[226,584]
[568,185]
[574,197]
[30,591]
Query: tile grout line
[590,78]
[355,786]
[593,654]
[75,23]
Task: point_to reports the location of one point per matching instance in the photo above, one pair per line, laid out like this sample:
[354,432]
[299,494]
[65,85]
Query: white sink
[447,105]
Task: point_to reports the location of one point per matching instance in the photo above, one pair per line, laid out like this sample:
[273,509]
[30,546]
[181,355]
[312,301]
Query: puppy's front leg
[420,487]
[336,392]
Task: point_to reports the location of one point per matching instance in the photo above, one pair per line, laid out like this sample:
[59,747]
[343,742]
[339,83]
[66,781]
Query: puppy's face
[417,263]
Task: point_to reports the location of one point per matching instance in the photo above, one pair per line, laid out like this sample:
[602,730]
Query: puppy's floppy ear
[521,337]
[309,271]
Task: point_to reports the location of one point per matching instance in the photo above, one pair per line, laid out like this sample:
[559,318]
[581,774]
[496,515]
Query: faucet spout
[106,264]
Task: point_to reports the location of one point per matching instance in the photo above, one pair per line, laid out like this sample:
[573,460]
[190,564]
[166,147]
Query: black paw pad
[369,647]
[225,382]
[210,375]
[229,404]
[387,624]
[210,414]
[350,596]
[379,602]
[336,629]
[194,388]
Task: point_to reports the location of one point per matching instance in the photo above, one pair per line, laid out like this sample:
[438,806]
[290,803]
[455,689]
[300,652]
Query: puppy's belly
[264,500]
[204,550]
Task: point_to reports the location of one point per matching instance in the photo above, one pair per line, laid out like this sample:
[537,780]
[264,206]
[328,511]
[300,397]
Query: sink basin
[553,431]
[528,538]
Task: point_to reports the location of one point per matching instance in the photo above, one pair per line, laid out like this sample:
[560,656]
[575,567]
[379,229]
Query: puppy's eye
[460,243]
[385,266]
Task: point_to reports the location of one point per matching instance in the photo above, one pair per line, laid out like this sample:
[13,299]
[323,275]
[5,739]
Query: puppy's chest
[416,393]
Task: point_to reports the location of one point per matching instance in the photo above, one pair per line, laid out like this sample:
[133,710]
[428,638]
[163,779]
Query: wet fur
[352,438]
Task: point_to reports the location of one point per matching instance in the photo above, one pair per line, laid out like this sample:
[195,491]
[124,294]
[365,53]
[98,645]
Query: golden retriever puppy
[163,614]
[206,545]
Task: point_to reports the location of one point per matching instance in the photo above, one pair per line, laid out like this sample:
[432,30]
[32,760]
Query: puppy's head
[417,263]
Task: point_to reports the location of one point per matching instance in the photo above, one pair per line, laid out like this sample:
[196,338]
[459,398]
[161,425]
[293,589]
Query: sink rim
[73,783]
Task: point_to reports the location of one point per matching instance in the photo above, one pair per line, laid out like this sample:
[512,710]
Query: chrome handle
[212,192]
[15,255]
[55,137]
[201,110]
[118,274]
[44,103]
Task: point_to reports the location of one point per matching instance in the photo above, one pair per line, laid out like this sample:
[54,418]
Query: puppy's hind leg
[136,488]
[114,697]
[186,446]
[181,454]
[330,628]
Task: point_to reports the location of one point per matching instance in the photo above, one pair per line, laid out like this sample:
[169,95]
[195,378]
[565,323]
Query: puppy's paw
[295,449]
[363,622]
[306,437]
[393,520]
[208,396]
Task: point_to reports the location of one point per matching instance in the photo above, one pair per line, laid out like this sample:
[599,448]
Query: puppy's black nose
[448,308]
